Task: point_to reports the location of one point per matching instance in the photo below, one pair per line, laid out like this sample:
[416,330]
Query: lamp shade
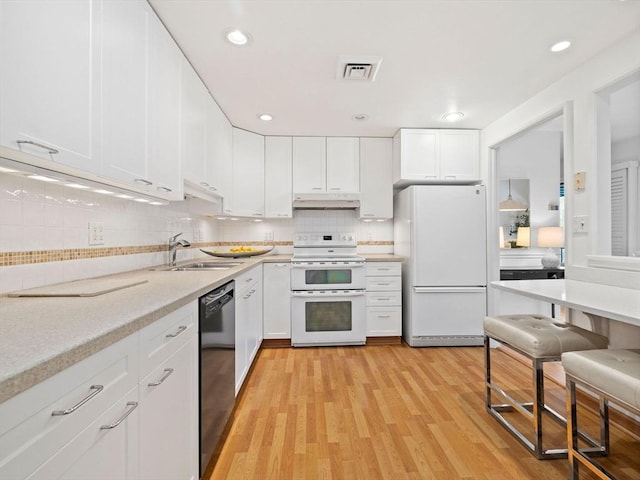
[511,205]
[523,237]
[551,237]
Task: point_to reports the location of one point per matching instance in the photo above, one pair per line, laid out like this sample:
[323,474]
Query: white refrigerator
[441,233]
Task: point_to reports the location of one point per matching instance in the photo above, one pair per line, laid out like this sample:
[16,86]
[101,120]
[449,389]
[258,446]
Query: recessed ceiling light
[360,117]
[238,37]
[453,116]
[265,117]
[560,46]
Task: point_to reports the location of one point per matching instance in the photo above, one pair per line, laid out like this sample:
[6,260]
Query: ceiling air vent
[358,68]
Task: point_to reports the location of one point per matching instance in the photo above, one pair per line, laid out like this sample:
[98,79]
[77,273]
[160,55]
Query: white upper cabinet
[125,90]
[277,177]
[309,164]
[422,156]
[376,190]
[328,164]
[193,126]
[343,165]
[248,174]
[164,109]
[50,58]
[219,153]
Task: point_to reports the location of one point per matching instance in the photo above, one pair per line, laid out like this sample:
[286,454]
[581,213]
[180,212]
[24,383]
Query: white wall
[575,93]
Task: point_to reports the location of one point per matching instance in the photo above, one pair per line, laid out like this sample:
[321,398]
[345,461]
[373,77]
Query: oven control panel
[332,239]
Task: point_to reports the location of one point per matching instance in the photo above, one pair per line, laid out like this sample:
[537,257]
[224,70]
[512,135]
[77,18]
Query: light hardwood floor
[385,412]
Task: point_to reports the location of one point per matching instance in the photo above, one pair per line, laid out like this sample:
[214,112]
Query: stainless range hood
[326,200]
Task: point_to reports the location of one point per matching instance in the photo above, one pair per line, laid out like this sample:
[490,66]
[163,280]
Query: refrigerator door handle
[449,289]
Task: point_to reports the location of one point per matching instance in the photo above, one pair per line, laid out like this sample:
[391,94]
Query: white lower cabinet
[277,300]
[248,291]
[384,299]
[97,420]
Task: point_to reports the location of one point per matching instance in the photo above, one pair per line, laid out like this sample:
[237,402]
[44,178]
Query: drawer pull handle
[384,269]
[164,189]
[384,299]
[52,151]
[142,181]
[181,329]
[133,406]
[384,316]
[96,390]
[167,372]
[384,283]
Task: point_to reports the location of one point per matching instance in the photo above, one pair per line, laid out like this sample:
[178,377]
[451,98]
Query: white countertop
[42,336]
[616,303]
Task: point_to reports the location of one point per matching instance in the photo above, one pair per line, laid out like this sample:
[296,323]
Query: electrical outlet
[580,224]
[96,233]
[268,236]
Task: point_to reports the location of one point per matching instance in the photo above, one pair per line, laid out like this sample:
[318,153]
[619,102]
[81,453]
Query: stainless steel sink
[205,266]
[202,266]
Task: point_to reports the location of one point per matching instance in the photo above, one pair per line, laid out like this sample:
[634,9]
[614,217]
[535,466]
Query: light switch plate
[579,181]
[96,233]
[580,224]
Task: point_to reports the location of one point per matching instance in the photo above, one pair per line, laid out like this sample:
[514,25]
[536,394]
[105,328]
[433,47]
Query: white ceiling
[482,57]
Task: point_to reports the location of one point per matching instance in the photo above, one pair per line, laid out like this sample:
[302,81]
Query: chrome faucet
[174,243]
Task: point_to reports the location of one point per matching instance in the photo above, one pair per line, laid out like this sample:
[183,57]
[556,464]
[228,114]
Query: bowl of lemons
[239,251]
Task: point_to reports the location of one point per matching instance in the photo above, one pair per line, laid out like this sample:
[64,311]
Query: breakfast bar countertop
[616,303]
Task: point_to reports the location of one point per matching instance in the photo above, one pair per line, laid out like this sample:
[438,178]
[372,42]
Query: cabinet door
[219,163]
[376,187]
[254,339]
[277,177]
[125,93]
[309,164]
[248,173]
[48,80]
[164,110]
[99,453]
[193,125]
[169,417]
[277,300]
[242,329]
[343,164]
[459,155]
[419,154]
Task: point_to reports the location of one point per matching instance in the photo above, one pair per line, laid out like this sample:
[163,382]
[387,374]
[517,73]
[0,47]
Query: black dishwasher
[217,369]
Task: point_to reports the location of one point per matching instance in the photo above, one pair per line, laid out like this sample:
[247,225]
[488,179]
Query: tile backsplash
[44,232]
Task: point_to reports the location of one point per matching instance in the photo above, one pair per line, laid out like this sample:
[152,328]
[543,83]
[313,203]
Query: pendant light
[510,205]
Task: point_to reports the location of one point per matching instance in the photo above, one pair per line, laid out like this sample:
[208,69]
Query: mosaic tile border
[8,259]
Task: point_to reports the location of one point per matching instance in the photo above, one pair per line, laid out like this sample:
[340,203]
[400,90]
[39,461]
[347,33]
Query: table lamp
[523,237]
[550,237]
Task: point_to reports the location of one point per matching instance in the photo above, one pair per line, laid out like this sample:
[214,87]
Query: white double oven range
[327,290]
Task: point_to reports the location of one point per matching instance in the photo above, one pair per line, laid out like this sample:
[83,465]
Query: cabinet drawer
[384,321]
[246,279]
[165,336]
[381,269]
[29,431]
[381,284]
[384,298]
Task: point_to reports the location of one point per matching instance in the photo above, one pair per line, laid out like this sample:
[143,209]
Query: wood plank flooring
[385,412]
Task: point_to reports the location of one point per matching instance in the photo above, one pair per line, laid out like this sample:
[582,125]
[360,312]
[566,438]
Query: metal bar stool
[614,375]
[541,340]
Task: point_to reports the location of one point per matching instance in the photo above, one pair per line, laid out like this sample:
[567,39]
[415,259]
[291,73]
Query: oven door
[327,275]
[328,317]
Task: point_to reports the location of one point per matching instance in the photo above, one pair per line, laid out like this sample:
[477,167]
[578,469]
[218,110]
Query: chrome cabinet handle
[134,405]
[164,189]
[167,372]
[181,329]
[316,188]
[335,188]
[52,151]
[384,316]
[142,181]
[97,389]
[204,184]
[384,283]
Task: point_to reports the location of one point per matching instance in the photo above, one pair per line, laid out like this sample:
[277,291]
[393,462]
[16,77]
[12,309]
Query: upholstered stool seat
[540,339]
[614,375]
